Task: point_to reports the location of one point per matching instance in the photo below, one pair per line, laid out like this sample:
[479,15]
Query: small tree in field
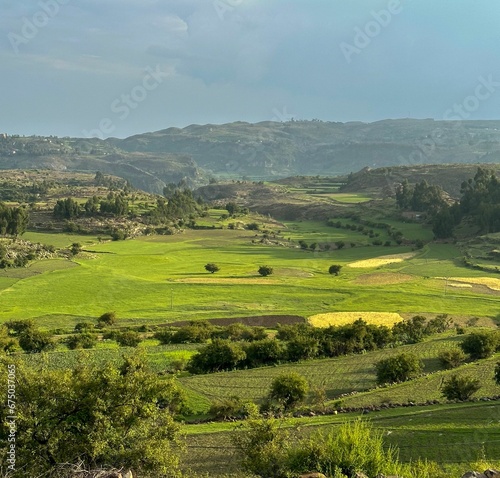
[335,269]
[480,344]
[452,358]
[108,318]
[399,368]
[265,271]
[211,267]
[289,389]
[460,388]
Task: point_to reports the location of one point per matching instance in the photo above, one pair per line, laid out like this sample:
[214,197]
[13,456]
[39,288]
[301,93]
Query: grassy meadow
[161,279]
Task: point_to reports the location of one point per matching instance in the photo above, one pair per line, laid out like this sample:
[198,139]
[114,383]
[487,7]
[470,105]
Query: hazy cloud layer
[66,62]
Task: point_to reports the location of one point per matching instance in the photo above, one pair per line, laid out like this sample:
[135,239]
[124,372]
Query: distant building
[3,135]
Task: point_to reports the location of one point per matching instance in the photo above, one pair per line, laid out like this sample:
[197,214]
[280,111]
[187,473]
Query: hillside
[147,171]
[266,150]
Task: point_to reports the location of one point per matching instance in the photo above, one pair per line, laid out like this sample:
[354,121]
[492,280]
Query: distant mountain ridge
[266,150]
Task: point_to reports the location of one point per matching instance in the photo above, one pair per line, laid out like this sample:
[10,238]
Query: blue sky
[85,67]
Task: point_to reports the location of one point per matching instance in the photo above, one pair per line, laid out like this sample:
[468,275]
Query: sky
[121,67]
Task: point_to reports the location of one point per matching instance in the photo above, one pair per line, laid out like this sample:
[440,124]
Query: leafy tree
[399,368]
[99,416]
[410,331]
[100,179]
[66,209]
[108,318]
[480,345]
[460,387]
[211,267]
[335,269]
[265,270]
[264,352]
[452,358]
[33,340]
[92,206]
[232,208]
[128,338]
[13,220]
[264,444]
[84,340]
[84,327]
[302,348]
[75,248]
[289,389]
[217,356]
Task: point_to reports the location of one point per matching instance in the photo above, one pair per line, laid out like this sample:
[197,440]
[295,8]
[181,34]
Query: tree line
[480,201]
[239,347]
[13,220]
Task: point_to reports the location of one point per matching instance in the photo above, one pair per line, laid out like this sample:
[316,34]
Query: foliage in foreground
[100,417]
[269,450]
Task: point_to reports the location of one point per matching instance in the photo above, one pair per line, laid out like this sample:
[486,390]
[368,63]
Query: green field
[455,435]
[160,279]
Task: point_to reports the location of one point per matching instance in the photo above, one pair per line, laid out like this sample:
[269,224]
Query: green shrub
[96,416]
[399,368]
[452,358]
[460,387]
[83,340]
[480,345]
[108,318]
[128,338]
[288,389]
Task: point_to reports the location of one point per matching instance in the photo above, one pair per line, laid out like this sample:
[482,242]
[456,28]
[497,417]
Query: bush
[288,389]
[264,352]
[335,269]
[399,368]
[108,318]
[480,345]
[265,270]
[460,387]
[263,444]
[452,358]
[233,407]
[410,331]
[98,416]
[83,326]
[83,340]
[128,338]
[211,267]
[268,450]
[215,357]
[348,450]
[32,340]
